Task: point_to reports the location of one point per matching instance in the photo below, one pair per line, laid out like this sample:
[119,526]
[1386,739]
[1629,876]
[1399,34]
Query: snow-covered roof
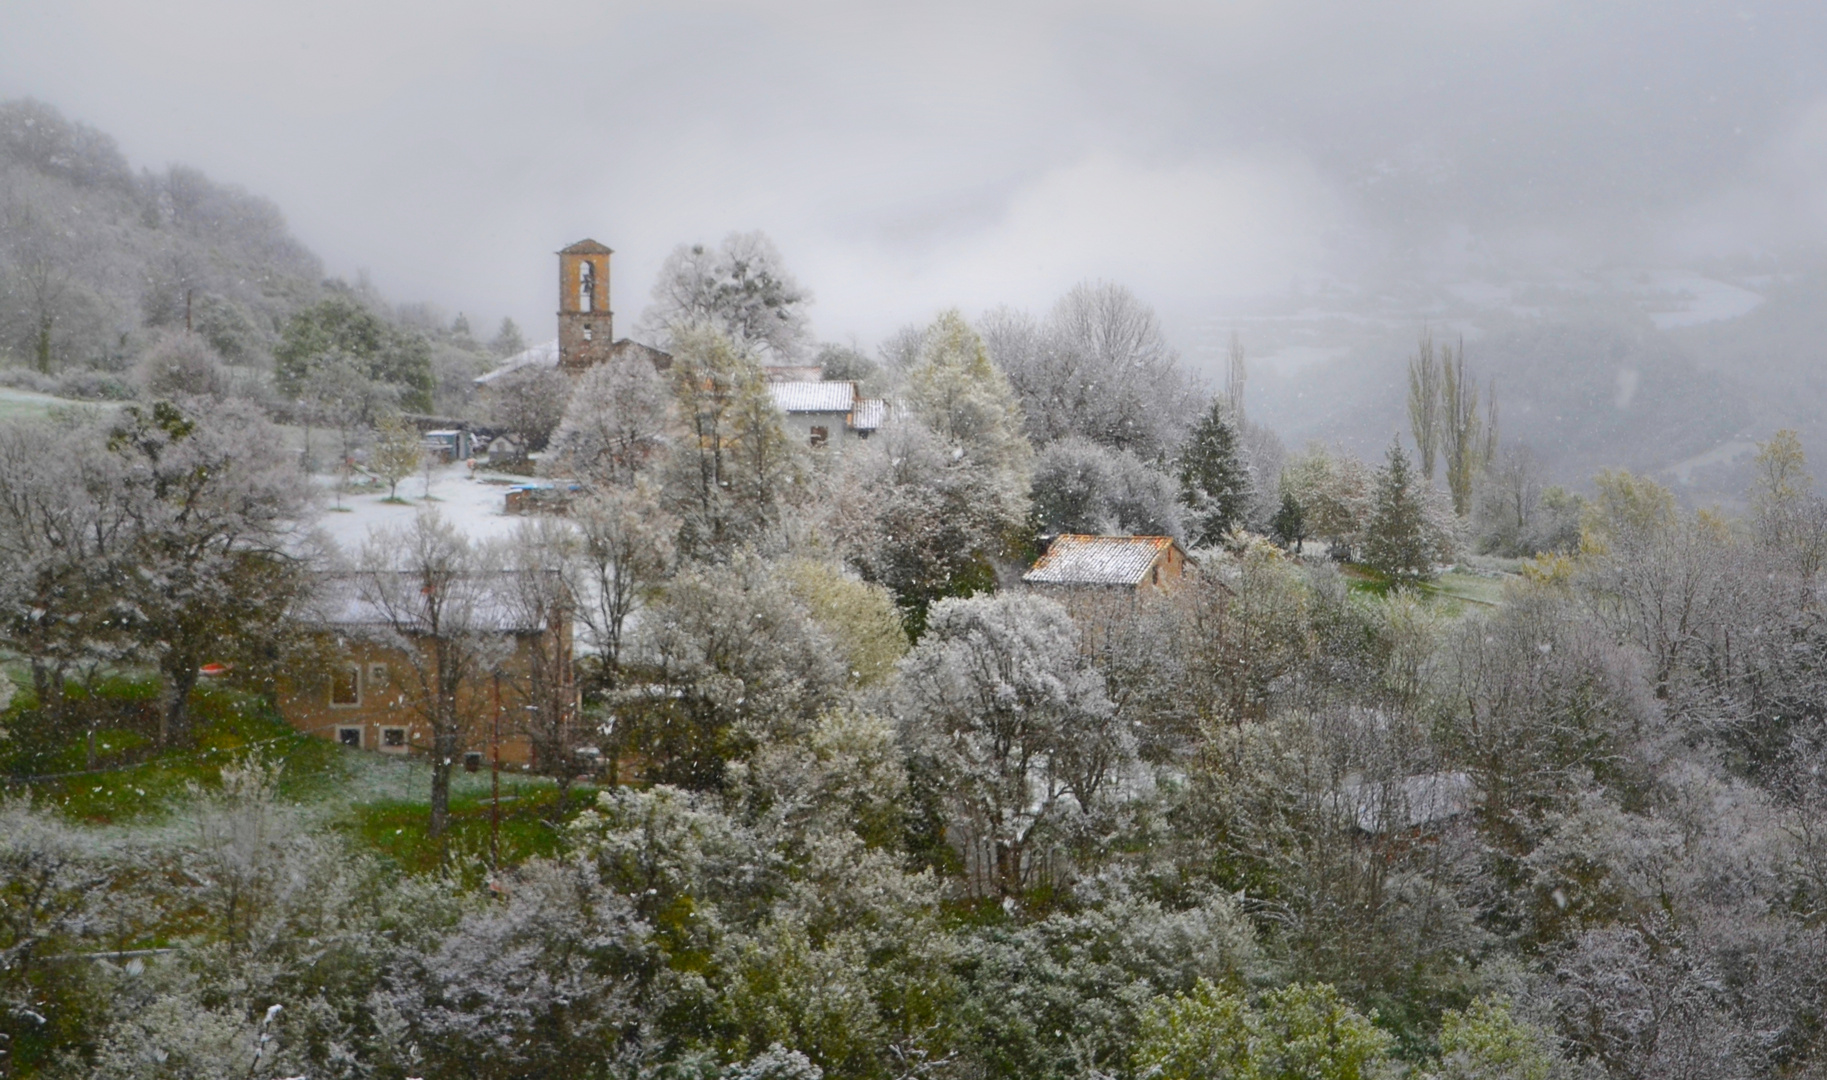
[484,602]
[793,372]
[1412,802]
[1074,559]
[870,414]
[814,397]
[544,355]
[628,349]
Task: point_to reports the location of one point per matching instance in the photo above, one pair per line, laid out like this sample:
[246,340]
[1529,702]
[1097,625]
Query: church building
[586,324]
[824,414]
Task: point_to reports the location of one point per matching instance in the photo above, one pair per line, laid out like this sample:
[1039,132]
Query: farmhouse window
[346,686]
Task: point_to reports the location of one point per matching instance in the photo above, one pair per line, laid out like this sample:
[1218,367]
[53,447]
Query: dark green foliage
[122,776]
[1214,480]
[341,327]
[1289,525]
[1396,542]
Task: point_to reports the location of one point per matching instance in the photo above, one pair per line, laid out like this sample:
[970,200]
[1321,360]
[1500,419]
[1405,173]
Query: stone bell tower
[586,326]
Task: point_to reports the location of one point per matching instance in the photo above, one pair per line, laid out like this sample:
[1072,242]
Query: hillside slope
[93,255]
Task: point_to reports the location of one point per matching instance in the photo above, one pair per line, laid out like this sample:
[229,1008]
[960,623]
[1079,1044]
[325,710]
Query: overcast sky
[912,156]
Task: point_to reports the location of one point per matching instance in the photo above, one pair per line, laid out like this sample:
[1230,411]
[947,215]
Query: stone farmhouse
[368,686]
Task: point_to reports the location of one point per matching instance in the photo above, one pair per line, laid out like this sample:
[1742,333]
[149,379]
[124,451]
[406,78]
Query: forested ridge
[101,265]
[1428,767]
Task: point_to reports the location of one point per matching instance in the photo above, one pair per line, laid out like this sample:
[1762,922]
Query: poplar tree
[1214,481]
[1467,441]
[1424,402]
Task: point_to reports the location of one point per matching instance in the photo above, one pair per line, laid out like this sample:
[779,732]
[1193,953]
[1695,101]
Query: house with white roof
[827,413]
[1121,564]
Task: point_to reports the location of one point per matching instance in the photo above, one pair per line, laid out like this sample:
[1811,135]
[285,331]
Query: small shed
[449,444]
[542,497]
[1127,563]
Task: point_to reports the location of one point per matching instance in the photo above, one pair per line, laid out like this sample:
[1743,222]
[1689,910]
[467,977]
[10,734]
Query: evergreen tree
[343,329]
[1396,542]
[1289,525]
[507,340]
[1214,480]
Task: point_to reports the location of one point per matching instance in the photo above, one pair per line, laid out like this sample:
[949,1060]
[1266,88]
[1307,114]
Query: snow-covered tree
[1335,492]
[1395,540]
[1289,525]
[220,517]
[1085,487]
[966,401]
[1214,478]
[616,423]
[734,467]
[732,657]
[740,288]
[859,619]
[998,694]
[1098,367]
[539,589]
[180,365]
[344,326]
[625,548]
[530,404]
[507,340]
[65,523]
[545,983]
[911,516]
[398,451]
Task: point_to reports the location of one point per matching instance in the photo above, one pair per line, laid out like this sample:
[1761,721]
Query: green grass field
[378,802]
[1477,586]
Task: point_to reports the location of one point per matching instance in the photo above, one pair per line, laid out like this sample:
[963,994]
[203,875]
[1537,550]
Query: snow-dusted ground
[16,403]
[1691,300]
[475,505]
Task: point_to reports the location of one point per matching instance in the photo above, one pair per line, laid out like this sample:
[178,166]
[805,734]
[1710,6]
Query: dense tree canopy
[343,327]
[827,792]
